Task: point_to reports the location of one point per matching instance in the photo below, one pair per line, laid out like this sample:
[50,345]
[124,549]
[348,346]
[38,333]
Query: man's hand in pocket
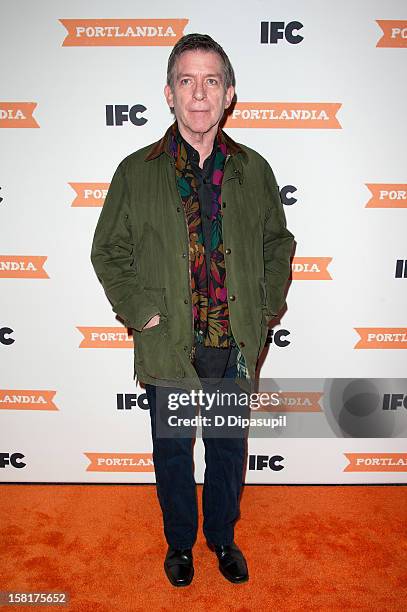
[152,322]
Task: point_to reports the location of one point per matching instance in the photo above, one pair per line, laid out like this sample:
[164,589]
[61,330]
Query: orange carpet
[308,548]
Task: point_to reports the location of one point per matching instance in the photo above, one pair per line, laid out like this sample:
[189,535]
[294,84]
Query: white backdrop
[59,400]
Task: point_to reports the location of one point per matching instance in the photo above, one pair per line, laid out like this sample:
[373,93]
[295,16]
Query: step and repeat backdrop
[321,94]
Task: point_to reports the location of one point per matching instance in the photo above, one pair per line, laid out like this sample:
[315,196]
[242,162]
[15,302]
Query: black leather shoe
[232,563]
[178,566]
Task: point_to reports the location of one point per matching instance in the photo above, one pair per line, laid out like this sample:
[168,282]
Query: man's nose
[199,91]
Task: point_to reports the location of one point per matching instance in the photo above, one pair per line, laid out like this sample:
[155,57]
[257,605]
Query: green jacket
[140,255]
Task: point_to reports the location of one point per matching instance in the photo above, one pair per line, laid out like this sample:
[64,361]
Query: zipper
[236,175]
[192,351]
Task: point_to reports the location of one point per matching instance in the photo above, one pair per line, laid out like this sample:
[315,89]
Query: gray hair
[202,42]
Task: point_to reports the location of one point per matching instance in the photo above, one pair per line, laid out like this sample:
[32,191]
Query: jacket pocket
[264,330]
[154,353]
[263,293]
[263,301]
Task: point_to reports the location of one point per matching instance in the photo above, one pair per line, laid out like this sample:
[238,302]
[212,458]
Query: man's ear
[169,96]
[230,92]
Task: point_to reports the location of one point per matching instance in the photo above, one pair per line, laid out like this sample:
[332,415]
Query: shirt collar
[192,153]
[162,145]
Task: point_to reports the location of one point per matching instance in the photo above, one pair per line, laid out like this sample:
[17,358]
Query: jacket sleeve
[277,245]
[112,257]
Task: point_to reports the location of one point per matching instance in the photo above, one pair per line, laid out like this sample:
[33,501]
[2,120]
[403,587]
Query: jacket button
[178,209]
[224,205]
[186,301]
[227,251]
[241,344]
[184,255]
[232,298]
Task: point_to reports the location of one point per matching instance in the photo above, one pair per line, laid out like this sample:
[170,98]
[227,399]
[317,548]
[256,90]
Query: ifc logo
[13,459]
[117,114]
[273,31]
[366,408]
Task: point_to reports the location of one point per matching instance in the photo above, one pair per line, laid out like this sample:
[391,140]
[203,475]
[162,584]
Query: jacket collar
[161,146]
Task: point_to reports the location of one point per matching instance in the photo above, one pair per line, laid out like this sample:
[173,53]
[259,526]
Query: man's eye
[185,81]
[212,82]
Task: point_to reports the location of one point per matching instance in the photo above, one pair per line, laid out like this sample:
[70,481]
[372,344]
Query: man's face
[198,96]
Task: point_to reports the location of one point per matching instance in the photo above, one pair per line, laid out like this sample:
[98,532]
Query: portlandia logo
[394,33]
[310,268]
[376,462]
[26,399]
[306,115]
[22,266]
[289,401]
[17,115]
[122,32]
[381,338]
[89,194]
[105,337]
[120,462]
[387,195]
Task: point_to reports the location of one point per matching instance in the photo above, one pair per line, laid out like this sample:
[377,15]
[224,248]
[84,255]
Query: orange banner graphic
[22,266]
[394,33]
[17,115]
[289,401]
[284,115]
[89,194]
[105,337]
[120,462]
[122,32]
[381,338]
[376,462]
[310,268]
[387,195]
[26,399]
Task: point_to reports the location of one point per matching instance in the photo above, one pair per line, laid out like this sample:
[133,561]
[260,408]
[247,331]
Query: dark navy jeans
[176,487]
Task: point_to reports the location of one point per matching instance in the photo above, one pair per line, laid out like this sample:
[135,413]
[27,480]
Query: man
[193,252]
